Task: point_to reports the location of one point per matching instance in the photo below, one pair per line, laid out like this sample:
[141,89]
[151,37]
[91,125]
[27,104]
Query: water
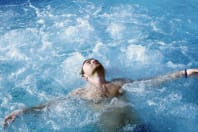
[43,44]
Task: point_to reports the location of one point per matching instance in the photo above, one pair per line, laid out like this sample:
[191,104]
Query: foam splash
[80,32]
[71,68]
[115,30]
[42,51]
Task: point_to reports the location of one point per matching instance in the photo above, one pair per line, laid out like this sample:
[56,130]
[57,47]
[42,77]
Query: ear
[85,77]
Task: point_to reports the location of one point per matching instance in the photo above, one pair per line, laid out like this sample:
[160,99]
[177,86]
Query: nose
[93,61]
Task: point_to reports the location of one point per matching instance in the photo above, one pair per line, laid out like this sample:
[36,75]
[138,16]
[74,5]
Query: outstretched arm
[12,116]
[163,78]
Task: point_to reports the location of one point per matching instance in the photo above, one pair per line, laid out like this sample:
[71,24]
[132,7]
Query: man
[98,90]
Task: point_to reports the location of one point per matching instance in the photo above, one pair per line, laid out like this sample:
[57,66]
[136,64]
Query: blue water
[44,42]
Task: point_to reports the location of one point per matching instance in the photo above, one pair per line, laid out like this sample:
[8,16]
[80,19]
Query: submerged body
[112,104]
[106,97]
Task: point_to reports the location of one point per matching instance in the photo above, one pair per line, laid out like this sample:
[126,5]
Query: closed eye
[88,61]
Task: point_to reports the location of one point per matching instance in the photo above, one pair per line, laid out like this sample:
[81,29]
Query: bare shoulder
[79,92]
[121,81]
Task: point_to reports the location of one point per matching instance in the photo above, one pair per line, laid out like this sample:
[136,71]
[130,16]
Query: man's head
[90,67]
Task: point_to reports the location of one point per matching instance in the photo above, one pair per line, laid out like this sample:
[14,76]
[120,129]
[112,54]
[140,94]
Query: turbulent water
[43,44]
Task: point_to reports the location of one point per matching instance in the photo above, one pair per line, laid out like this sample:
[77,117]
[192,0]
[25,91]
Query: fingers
[9,119]
[4,124]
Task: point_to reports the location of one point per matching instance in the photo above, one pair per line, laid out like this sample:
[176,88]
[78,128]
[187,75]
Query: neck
[97,81]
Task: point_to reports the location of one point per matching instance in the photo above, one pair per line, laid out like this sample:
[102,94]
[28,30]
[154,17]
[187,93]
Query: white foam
[43,96]
[155,27]
[40,21]
[174,97]
[97,47]
[71,67]
[124,24]
[161,43]
[137,53]
[133,41]
[18,72]
[151,103]
[53,124]
[37,11]
[184,49]
[5,101]
[45,45]
[116,30]
[80,32]
[121,11]
[137,88]
[59,24]
[173,65]
[16,43]
[140,55]
[100,51]
[14,53]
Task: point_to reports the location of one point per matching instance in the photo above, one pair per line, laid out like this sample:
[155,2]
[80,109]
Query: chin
[98,68]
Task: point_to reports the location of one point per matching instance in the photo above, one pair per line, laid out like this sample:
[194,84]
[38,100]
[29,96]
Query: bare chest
[109,90]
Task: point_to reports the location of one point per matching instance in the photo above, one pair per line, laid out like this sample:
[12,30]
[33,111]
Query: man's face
[90,66]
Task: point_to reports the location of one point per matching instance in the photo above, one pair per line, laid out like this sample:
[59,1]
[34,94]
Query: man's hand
[191,72]
[11,117]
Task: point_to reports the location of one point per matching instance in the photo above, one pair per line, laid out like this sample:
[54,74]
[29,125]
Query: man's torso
[111,89]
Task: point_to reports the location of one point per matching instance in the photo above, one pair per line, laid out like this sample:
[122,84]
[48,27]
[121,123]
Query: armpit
[121,81]
[77,92]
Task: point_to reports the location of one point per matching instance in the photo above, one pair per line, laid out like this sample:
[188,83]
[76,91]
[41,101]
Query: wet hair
[82,71]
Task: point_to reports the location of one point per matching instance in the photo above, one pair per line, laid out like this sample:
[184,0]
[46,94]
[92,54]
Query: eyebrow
[82,71]
[85,62]
[88,60]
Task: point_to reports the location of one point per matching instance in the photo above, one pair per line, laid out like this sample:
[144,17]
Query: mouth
[96,62]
